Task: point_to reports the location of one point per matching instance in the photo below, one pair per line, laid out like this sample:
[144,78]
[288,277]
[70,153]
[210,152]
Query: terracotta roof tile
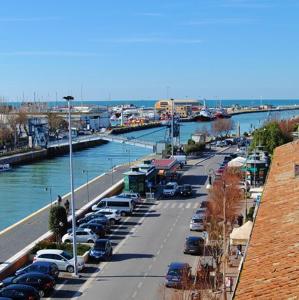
[271,267]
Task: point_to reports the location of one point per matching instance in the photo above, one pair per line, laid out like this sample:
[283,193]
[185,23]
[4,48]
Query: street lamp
[111,163]
[129,152]
[87,183]
[69,99]
[49,189]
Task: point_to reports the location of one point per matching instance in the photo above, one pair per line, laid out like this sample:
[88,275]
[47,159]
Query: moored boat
[4,167]
[204,115]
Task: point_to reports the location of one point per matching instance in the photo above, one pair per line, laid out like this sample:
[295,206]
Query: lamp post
[172,126]
[49,189]
[87,183]
[224,242]
[69,99]
[111,164]
[129,152]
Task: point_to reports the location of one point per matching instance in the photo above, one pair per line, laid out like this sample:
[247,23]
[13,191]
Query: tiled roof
[271,267]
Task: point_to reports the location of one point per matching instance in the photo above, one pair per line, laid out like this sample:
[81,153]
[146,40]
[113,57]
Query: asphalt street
[144,245]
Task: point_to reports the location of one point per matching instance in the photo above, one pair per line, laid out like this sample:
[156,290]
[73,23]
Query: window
[118,203]
[47,256]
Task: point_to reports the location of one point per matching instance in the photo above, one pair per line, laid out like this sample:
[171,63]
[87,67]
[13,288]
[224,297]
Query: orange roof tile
[271,267]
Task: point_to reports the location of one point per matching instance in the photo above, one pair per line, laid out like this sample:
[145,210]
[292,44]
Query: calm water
[22,191]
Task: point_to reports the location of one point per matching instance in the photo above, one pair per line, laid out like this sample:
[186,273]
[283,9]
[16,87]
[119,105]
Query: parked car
[124,205]
[185,190]
[221,143]
[91,216]
[201,211]
[194,245]
[113,215]
[136,198]
[63,260]
[177,273]
[20,292]
[102,250]
[43,283]
[170,189]
[83,235]
[197,223]
[43,267]
[104,223]
[98,229]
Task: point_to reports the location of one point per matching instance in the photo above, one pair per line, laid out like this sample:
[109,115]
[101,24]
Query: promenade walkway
[16,237]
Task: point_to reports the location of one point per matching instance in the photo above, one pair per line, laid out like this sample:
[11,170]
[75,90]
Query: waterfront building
[183,107]
[270,269]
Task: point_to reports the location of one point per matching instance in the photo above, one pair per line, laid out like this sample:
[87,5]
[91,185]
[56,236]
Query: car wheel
[70,269]
[67,241]
[41,293]
[112,222]
[122,213]
[90,241]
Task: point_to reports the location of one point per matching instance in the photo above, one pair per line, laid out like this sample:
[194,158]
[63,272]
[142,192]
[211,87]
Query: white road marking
[150,267]
[158,252]
[181,205]
[166,205]
[188,205]
[196,205]
[134,294]
[164,241]
[173,205]
[140,284]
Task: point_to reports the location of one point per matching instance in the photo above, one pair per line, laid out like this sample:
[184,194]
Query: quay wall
[121,130]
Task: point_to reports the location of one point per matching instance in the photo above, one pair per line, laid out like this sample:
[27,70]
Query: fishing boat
[204,115]
[221,113]
[4,167]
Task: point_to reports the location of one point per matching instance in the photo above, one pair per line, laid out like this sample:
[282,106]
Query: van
[124,205]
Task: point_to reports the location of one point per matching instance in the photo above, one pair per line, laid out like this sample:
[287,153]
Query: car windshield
[170,186]
[100,245]
[66,255]
[174,272]
[193,242]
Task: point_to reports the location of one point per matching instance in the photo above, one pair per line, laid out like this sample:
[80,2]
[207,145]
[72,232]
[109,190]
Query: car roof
[49,251]
[43,263]
[33,274]
[178,265]
[108,210]
[193,238]
[19,286]
[102,240]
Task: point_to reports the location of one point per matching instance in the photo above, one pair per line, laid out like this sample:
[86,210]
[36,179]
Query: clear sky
[146,49]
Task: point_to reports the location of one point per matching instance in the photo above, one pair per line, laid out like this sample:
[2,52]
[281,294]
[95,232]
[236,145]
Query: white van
[182,159]
[124,205]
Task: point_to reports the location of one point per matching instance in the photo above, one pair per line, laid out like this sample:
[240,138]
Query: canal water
[27,188]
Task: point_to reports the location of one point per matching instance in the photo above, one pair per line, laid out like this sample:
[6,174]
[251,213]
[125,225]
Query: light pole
[224,242]
[111,164]
[69,99]
[129,153]
[49,188]
[87,183]
[172,126]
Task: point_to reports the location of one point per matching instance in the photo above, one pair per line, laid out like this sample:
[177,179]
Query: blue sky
[137,49]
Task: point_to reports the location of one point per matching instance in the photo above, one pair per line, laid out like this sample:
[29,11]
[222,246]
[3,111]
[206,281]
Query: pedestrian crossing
[178,205]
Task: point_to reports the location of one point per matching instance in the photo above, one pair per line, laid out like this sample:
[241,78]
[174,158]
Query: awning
[240,235]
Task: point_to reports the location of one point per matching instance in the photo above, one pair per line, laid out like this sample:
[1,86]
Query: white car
[197,223]
[113,215]
[83,235]
[170,189]
[63,260]
[134,196]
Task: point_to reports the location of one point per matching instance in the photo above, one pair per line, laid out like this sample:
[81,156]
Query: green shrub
[81,248]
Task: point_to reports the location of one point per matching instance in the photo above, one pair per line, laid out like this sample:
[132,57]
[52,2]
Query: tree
[194,148]
[222,127]
[56,124]
[58,221]
[270,136]
[22,121]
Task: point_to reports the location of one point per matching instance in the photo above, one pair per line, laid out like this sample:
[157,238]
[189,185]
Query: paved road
[145,244]
[18,237]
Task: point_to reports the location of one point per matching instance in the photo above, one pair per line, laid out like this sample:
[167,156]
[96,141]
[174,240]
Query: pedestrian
[240,220]
[59,200]
[231,282]
[239,251]
[67,206]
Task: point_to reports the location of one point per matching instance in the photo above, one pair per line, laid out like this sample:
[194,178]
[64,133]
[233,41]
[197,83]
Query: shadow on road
[126,256]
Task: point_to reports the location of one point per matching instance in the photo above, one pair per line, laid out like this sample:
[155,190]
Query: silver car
[197,223]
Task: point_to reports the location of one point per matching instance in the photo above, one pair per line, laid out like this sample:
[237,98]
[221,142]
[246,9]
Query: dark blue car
[178,275]
[19,292]
[44,267]
[102,250]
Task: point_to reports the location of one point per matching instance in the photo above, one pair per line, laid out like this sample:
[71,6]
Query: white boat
[4,167]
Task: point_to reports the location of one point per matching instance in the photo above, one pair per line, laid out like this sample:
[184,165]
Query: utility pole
[224,242]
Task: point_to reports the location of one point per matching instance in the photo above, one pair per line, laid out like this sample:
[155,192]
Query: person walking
[59,200]
[67,206]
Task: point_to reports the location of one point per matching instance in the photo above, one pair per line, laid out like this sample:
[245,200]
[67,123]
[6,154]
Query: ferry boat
[4,167]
